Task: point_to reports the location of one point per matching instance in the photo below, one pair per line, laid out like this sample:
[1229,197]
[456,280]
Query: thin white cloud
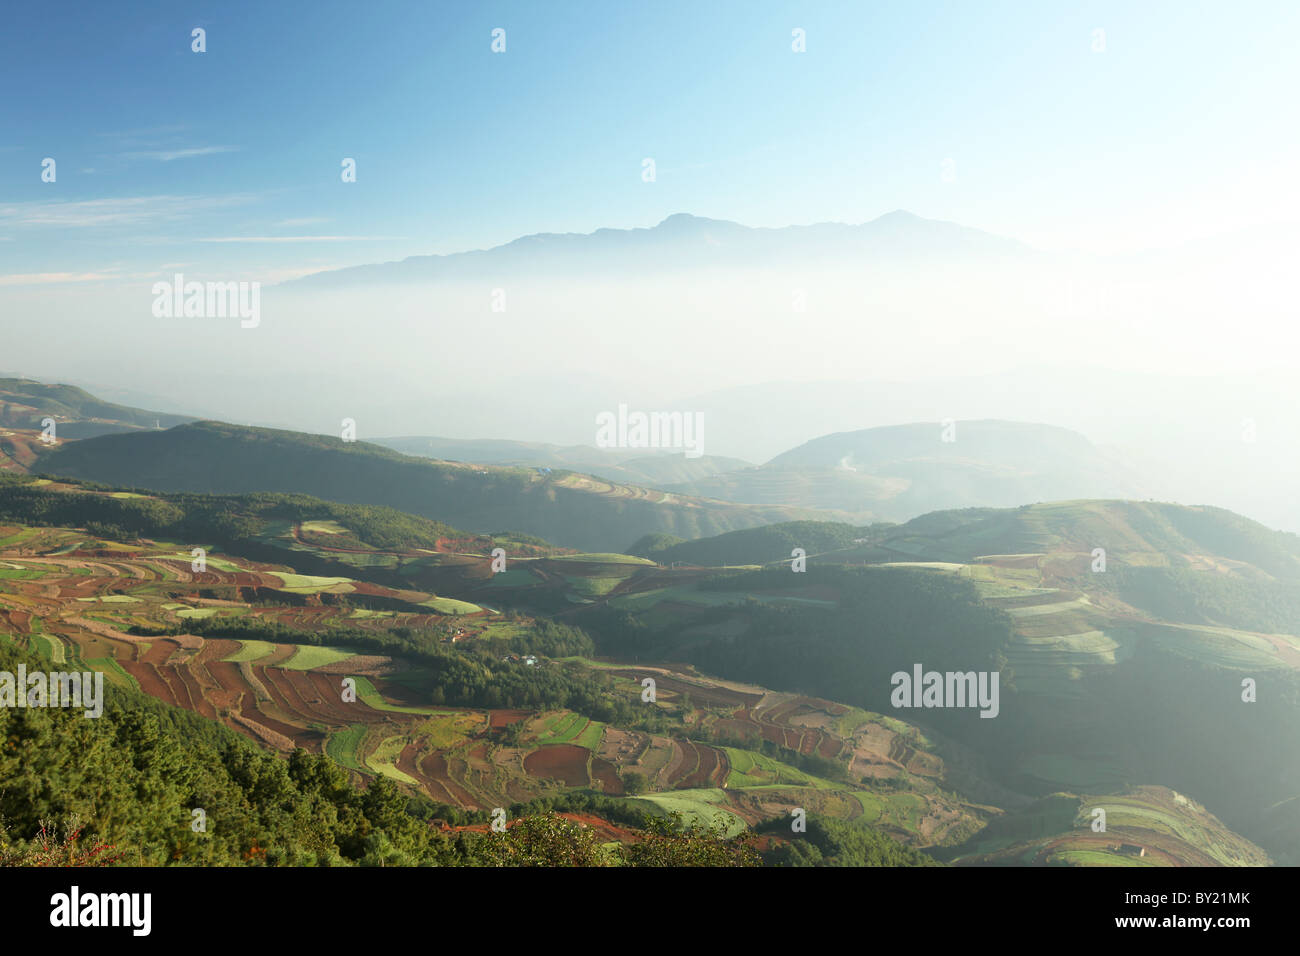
[111,212]
[167,155]
[305,221]
[52,278]
[300,239]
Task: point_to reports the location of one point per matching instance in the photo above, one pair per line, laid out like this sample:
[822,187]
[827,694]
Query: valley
[413,661]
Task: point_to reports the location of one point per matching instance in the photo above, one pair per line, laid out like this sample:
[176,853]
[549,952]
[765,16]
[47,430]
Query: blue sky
[228,162]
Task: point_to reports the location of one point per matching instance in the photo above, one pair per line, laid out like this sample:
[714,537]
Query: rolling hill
[1175,663]
[779,696]
[898,472]
[567,508]
[651,470]
[1145,826]
[78,414]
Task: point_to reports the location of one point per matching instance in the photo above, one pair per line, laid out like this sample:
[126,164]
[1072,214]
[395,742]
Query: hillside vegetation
[25,404]
[566,508]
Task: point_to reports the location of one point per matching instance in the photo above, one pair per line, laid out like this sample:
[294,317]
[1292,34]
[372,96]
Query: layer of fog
[1187,365]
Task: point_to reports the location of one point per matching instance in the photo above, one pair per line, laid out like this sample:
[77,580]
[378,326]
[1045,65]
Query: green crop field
[324,527]
[444,731]
[251,651]
[603,558]
[308,656]
[113,672]
[571,728]
[366,692]
[313,584]
[383,759]
[343,744]
[695,806]
[451,606]
[13,572]
[593,587]
[751,769]
[50,647]
[199,613]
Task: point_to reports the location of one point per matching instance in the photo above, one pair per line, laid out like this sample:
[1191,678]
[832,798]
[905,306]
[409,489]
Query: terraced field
[87,602]
[733,753]
[1144,826]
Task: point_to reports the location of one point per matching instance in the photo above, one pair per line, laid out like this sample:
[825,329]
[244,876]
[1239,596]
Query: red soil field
[279,654]
[435,768]
[677,766]
[781,711]
[17,621]
[159,651]
[744,729]
[604,771]
[830,748]
[329,687]
[434,787]
[215,648]
[689,768]
[228,676]
[327,704]
[300,697]
[285,695]
[195,691]
[709,766]
[149,680]
[504,718]
[709,696]
[566,762]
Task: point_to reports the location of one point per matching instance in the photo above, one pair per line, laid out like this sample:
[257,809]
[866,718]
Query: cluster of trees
[473,673]
[886,620]
[831,842]
[1205,597]
[210,457]
[649,545]
[1219,531]
[763,545]
[547,839]
[228,520]
[136,775]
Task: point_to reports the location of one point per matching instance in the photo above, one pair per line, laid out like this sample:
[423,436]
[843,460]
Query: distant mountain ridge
[891,473]
[685,241]
[897,472]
